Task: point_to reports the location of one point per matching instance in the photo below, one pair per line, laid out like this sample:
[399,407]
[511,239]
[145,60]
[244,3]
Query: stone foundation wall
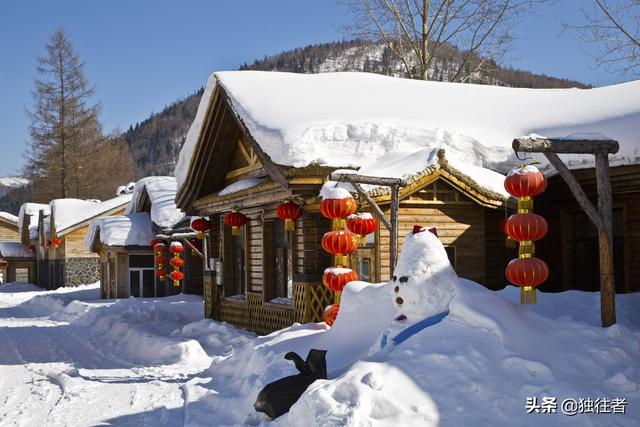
[81,271]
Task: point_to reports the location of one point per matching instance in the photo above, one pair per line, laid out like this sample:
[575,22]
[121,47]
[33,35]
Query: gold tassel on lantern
[235,231]
[288,225]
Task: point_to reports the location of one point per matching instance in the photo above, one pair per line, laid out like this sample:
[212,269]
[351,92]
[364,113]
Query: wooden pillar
[605,240]
[393,244]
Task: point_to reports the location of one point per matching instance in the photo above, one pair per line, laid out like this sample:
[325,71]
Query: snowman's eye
[395,278]
[404,279]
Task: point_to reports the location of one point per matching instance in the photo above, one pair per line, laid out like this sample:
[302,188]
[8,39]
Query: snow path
[56,372]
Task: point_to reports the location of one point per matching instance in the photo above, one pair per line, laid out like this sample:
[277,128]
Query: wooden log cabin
[123,243]
[58,237]
[261,138]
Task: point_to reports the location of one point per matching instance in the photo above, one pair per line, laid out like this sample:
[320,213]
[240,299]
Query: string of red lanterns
[337,205]
[176,248]
[159,250]
[525,227]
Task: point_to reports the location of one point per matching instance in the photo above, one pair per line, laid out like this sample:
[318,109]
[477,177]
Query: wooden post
[602,218]
[605,240]
[394,184]
[393,244]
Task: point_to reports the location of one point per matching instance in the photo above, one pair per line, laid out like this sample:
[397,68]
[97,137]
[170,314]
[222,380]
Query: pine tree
[64,124]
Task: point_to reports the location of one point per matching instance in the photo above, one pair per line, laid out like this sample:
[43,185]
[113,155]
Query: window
[141,276]
[451,254]
[283,266]
[22,275]
[237,266]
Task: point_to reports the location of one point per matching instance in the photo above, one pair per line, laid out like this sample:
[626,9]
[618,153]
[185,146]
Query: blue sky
[142,55]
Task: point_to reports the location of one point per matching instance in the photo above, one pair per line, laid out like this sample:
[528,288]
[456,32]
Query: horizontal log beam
[371,180]
[565,146]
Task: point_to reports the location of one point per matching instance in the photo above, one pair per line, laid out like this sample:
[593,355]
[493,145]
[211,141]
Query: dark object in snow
[278,397]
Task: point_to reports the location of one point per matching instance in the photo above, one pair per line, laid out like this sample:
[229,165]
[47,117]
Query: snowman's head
[423,280]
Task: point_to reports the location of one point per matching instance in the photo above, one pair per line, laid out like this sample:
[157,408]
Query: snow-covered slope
[352,119]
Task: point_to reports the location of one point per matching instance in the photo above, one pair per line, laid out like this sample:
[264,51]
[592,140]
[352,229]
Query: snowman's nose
[399,301]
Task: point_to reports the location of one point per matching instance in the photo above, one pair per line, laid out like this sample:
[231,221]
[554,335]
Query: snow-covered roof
[133,229]
[9,217]
[67,213]
[162,196]
[14,250]
[350,120]
[31,210]
[412,166]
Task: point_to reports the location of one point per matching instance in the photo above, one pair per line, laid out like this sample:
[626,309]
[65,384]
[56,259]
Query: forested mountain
[156,142]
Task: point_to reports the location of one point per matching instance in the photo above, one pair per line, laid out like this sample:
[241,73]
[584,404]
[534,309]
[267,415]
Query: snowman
[423,285]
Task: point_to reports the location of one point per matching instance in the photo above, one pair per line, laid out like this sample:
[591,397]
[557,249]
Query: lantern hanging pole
[193,248]
[395,184]
[603,217]
[373,205]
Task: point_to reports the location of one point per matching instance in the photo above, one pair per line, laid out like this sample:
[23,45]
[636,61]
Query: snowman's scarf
[413,329]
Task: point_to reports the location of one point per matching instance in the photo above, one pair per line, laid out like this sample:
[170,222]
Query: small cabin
[17,263]
[123,243]
[260,138]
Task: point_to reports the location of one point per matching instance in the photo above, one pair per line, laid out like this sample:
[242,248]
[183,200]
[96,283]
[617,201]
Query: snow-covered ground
[67,358]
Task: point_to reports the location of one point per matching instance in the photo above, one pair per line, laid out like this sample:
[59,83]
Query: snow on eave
[70,214]
[134,229]
[10,218]
[160,191]
[481,184]
[14,250]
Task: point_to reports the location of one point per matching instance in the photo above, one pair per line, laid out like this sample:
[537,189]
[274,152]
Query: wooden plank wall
[8,232]
[74,247]
[461,226]
[122,272]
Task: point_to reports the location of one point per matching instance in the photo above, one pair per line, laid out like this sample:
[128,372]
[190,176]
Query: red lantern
[340,243]
[527,272]
[337,278]
[176,248]
[56,243]
[48,244]
[177,262]
[526,227]
[337,204]
[235,220]
[200,226]
[31,247]
[160,273]
[176,276]
[525,181]
[161,260]
[330,314]
[362,225]
[289,211]
[159,248]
